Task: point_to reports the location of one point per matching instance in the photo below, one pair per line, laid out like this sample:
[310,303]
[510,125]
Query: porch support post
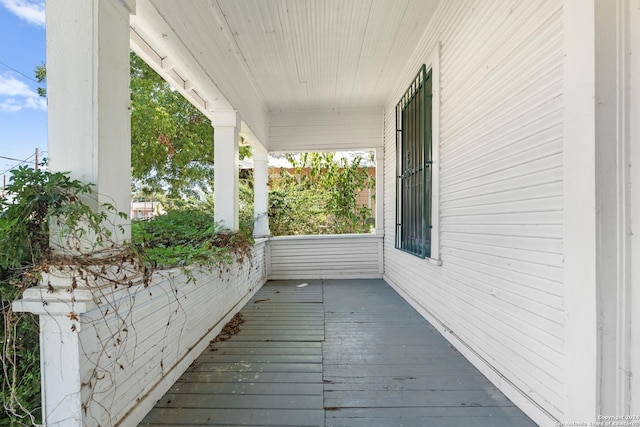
[581,320]
[88,97]
[634,251]
[613,92]
[260,191]
[89,136]
[226,126]
[597,248]
[379,154]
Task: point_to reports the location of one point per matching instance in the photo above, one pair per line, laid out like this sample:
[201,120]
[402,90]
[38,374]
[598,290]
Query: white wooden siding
[499,289]
[325,257]
[163,329]
[318,130]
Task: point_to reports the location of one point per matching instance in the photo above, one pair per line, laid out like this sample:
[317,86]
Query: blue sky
[23,115]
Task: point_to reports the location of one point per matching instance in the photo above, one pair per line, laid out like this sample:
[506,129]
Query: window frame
[430,248]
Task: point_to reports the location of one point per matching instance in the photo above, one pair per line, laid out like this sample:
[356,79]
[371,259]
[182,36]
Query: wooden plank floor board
[265,351]
[428,417]
[260,358]
[266,344]
[432,382]
[210,388]
[235,417]
[240,401]
[252,377]
[333,353]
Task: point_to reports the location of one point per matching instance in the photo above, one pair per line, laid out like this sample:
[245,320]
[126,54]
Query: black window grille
[414,167]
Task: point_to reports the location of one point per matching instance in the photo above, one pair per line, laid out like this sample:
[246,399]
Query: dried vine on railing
[82,255]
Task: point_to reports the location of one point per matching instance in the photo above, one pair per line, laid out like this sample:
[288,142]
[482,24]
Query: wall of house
[325,257]
[149,337]
[497,289]
[322,130]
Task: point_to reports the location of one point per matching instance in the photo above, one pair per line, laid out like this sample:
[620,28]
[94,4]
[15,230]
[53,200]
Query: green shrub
[320,196]
[184,237]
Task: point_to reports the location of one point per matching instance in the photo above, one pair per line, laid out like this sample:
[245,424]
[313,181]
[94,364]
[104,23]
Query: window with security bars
[414,167]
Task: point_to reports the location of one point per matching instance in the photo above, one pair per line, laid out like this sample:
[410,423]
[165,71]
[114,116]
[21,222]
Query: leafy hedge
[184,237]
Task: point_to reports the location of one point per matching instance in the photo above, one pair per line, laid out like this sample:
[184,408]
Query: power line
[16,160]
[19,72]
[27,160]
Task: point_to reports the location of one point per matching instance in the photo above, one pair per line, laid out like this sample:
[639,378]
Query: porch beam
[226,125]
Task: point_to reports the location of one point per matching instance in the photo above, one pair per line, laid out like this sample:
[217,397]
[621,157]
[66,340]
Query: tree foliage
[41,77]
[320,196]
[171,140]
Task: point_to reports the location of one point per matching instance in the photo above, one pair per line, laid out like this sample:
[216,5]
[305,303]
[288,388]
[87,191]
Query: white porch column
[379,154]
[581,319]
[260,191]
[634,251]
[226,136]
[88,95]
[597,248]
[88,135]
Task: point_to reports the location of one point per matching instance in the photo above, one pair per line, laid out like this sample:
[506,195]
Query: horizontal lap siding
[326,130]
[499,287]
[157,327]
[318,257]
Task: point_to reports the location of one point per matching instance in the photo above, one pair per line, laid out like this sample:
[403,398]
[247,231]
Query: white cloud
[31,11]
[9,105]
[37,103]
[10,86]
[16,95]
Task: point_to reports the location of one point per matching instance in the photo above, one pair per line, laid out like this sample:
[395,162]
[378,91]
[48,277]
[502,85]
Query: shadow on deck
[334,353]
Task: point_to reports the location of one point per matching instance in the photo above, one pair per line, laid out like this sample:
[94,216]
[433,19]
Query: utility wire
[19,72]
[27,160]
[17,160]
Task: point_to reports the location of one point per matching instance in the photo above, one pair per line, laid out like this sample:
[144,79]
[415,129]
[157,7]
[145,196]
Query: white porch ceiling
[281,55]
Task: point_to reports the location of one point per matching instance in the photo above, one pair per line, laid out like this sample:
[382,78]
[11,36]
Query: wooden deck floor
[333,353]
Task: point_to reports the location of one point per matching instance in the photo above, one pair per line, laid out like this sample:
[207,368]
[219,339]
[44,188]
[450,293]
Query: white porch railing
[124,351]
[333,256]
[109,365]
